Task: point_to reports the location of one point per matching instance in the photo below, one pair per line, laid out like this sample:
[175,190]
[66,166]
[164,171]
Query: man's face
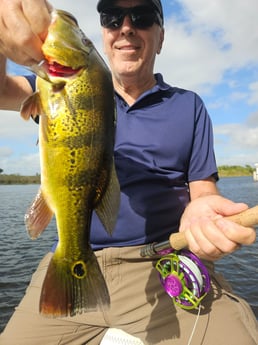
[132,50]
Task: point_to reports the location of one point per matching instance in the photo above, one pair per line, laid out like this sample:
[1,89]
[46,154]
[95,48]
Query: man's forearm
[202,188]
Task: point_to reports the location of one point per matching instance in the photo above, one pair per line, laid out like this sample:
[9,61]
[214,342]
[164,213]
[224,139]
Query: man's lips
[128,47]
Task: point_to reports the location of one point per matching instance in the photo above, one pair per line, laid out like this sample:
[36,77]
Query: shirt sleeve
[32,80]
[202,162]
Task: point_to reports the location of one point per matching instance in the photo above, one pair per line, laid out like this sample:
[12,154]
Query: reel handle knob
[173,285]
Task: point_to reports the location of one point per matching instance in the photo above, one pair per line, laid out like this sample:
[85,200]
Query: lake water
[19,256]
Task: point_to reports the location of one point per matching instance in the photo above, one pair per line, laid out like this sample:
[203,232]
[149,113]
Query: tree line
[235,170]
[224,171]
[18,179]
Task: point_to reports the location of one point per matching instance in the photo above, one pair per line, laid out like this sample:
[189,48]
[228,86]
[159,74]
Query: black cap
[156,4]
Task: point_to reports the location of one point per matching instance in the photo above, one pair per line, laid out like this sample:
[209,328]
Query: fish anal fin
[38,216]
[31,106]
[108,207]
[66,294]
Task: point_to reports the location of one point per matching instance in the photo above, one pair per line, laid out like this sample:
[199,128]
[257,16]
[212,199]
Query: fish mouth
[57,70]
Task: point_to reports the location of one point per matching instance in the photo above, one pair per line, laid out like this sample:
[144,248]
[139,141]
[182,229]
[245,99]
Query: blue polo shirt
[163,142]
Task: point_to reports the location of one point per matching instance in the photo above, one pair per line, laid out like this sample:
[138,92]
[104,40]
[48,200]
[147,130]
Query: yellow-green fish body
[76,105]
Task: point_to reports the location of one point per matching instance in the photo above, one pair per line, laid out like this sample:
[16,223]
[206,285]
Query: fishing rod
[182,274]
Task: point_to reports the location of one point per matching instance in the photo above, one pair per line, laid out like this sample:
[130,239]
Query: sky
[211,47]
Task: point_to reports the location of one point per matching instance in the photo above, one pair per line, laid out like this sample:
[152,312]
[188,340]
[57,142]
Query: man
[167,173]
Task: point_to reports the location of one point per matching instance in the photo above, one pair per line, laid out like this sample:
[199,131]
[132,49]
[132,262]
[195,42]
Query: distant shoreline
[18,179]
[224,171]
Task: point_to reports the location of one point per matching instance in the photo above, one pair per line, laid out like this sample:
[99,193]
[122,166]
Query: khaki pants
[139,306]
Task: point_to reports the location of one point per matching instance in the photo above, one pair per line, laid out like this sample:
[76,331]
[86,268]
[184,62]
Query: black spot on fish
[80,102]
[79,270]
[78,141]
[81,179]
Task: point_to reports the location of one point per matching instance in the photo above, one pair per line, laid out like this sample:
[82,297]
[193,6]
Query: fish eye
[84,39]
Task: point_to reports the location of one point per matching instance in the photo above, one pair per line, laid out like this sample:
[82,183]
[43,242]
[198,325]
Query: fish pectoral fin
[71,288]
[108,207]
[31,106]
[38,216]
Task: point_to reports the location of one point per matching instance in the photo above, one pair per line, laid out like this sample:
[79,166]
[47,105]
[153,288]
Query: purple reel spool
[184,278]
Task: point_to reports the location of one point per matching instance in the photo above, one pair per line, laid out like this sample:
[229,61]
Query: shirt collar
[159,86]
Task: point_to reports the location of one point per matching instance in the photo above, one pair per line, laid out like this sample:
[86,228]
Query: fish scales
[76,139]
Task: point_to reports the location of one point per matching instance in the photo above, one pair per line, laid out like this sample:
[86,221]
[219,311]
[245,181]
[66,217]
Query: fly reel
[184,278]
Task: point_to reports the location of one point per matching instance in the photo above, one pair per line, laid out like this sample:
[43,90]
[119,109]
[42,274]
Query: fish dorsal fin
[38,216]
[108,207]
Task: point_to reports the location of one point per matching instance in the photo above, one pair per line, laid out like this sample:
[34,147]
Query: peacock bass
[75,101]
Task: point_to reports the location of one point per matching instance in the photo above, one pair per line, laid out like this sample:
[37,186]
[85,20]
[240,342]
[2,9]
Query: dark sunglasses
[142,17]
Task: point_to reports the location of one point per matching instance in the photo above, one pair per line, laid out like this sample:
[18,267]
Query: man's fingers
[236,233]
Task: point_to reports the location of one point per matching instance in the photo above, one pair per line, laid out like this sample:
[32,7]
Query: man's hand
[23,27]
[208,233]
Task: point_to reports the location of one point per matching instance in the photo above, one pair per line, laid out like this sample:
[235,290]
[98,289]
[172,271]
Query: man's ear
[162,34]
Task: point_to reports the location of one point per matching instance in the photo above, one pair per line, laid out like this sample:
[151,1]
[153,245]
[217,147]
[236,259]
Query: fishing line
[193,271]
[195,325]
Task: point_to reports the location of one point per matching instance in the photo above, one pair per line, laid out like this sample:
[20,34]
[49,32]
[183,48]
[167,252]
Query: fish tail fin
[72,288]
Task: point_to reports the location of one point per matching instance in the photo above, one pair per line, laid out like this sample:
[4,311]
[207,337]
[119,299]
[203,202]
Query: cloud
[18,149]
[233,21]
[252,120]
[24,164]
[237,143]
[213,37]
[238,96]
[5,152]
[253,87]
[239,136]
[191,59]
[13,127]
